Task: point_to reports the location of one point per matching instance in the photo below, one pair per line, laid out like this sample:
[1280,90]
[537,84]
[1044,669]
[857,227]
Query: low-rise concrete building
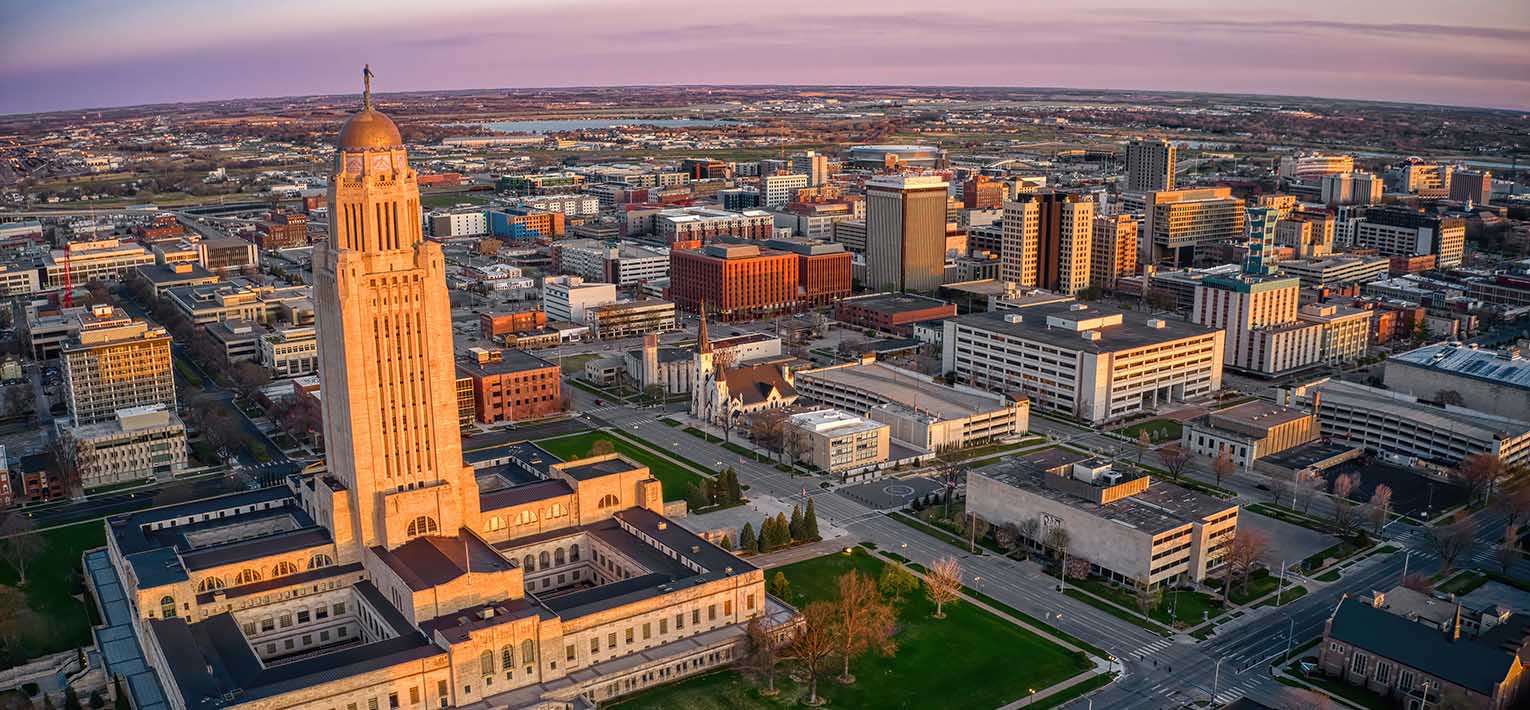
[290,352]
[1248,432]
[138,442]
[629,318]
[836,441]
[1131,531]
[1493,381]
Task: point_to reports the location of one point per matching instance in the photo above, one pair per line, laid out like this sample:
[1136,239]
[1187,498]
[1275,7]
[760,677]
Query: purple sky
[64,54]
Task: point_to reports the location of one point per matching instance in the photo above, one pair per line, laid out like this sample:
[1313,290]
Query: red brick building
[282,230]
[511,385]
[440,180]
[894,313]
[823,269]
[735,281]
[983,193]
[1399,265]
[494,325]
[165,226]
[1395,321]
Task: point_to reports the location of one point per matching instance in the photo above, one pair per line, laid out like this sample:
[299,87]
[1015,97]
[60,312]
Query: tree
[1144,442]
[780,587]
[783,530]
[1453,540]
[766,430]
[1222,465]
[729,489]
[865,621]
[726,543]
[1149,598]
[1418,582]
[654,393]
[1508,550]
[13,608]
[810,522]
[1175,458]
[980,527]
[20,544]
[1481,472]
[813,647]
[746,540]
[1244,553]
[1030,531]
[18,398]
[1380,506]
[602,447]
[794,442]
[1515,502]
[1006,536]
[765,647]
[896,582]
[1343,508]
[1077,568]
[1057,539]
[250,378]
[695,497]
[944,584]
[794,526]
[1449,397]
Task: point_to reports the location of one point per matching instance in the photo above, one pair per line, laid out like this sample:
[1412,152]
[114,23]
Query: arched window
[494,523]
[320,560]
[167,607]
[486,663]
[558,557]
[423,525]
[557,510]
[507,657]
[526,517]
[283,568]
[608,501]
[247,576]
[528,652]
[529,564]
[573,553]
[543,560]
[210,584]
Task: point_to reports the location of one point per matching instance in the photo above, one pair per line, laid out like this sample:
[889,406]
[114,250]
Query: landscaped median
[972,654]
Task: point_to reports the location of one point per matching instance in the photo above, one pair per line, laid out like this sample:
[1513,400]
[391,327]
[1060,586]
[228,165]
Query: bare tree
[1508,550]
[1175,458]
[813,647]
[944,583]
[1144,442]
[765,649]
[1481,472]
[1030,531]
[1244,553]
[1453,540]
[1418,582]
[766,430]
[20,543]
[602,447]
[979,530]
[1222,465]
[865,621]
[1515,502]
[1307,487]
[1343,508]
[13,611]
[794,442]
[1057,540]
[1380,506]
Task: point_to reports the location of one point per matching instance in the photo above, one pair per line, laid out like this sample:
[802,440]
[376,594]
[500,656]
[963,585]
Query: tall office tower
[116,362]
[1259,315]
[385,329]
[1259,228]
[905,233]
[812,164]
[1115,249]
[1048,237]
[1417,176]
[1400,231]
[1310,232]
[1472,185]
[1149,165]
[1350,189]
[1175,222]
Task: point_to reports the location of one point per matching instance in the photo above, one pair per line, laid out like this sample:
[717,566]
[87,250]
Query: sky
[75,54]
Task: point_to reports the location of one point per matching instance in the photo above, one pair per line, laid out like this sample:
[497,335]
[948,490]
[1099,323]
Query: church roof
[433,560]
[752,384]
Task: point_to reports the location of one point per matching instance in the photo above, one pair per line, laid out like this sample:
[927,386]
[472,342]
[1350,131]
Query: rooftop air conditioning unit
[1156,323]
[1014,318]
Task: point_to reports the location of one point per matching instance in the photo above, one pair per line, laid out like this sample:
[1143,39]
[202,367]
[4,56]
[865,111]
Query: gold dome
[369,129]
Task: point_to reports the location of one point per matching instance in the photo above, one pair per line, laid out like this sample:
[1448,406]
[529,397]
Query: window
[629,635]
[414,695]
[507,657]
[647,631]
[371,703]
[1405,680]
[558,557]
[494,523]
[286,620]
[529,563]
[727,607]
[268,624]
[210,584]
[595,645]
[680,621]
[663,626]
[283,568]
[525,517]
[544,560]
[423,525]
[711,612]
[611,640]
[247,576]
[320,560]
[486,663]
[1357,664]
[302,616]
[608,501]
[167,607]
[1382,671]
[695,617]
[528,652]
[339,608]
[556,510]
[568,652]
[749,602]
[573,553]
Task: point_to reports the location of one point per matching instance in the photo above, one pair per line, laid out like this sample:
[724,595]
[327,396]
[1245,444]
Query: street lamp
[1216,676]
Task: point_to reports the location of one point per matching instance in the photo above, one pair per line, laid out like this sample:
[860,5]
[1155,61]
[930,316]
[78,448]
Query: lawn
[452,199]
[971,654]
[574,364]
[1287,595]
[56,618]
[1260,583]
[1159,430]
[1463,583]
[1189,608]
[673,476]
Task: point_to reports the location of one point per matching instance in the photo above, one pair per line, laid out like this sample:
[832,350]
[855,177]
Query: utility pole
[1216,677]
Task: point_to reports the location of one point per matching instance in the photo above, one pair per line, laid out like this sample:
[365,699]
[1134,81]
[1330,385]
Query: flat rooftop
[1505,368]
[1259,413]
[597,469]
[893,303]
[1449,418]
[512,360]
[902,387]
[1038,323]
[1159,509]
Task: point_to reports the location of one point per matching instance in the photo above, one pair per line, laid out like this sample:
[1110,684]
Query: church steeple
[703,343]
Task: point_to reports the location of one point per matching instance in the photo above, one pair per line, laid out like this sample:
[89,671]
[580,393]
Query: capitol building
[392,578]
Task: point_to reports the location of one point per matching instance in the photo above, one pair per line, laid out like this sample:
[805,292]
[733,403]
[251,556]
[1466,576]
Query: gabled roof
[753,383]
[1464,662]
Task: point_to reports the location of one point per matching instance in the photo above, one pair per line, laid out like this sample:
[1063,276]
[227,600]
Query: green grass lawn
[1187,606]
[1329,576]
[971,655]
[574,364]
[1159,430]
[452,199]
[1463,583]
[57,619]
[673,476]
[1287,595]
[1260,583]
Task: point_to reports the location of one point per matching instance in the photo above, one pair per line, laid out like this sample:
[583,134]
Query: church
[391,579]
[724,392]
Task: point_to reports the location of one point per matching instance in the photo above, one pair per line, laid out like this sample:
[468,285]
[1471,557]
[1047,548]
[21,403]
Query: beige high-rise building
[814,165]
[1350,189]
[1178,221]
[1048,239]
[116,362]
[1150,165]
[1115,249]
[390,403]
[905,233]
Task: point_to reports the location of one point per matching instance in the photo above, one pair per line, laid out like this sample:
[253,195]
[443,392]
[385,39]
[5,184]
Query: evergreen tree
[726,543]
[794,528]
[695,499]
[72,699]
[783,531]
[735,489]
[779,587]
[708,492]
[746,540]
[48,702]
[810,522]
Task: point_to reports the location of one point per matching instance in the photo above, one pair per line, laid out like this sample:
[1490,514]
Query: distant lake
[576,124]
